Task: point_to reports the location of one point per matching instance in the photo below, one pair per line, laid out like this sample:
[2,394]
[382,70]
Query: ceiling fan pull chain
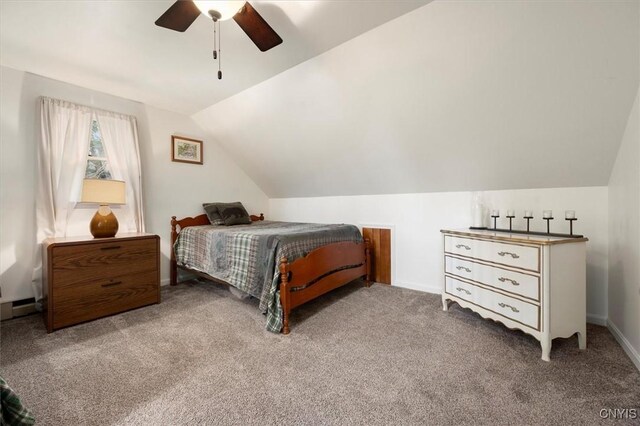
[215,50]
[220,52]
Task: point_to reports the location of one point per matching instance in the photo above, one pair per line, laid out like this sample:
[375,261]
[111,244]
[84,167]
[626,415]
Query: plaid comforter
[245,256]
[12,412]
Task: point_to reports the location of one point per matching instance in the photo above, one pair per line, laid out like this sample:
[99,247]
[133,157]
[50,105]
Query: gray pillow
[211,209]
[234,214]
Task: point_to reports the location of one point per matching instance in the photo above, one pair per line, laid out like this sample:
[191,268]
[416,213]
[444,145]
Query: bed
[283,264]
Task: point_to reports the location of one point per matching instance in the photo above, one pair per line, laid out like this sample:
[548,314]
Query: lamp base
[104,223]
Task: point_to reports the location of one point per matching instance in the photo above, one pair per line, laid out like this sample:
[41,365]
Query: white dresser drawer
[513,282]
[517,310]
[519,256]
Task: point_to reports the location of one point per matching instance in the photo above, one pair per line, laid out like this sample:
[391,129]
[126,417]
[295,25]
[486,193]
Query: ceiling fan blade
[257,28]
[179,16]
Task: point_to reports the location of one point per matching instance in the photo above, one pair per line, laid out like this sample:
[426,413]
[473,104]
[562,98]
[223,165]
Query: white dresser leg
[545,343]
[582,339]
[445,304]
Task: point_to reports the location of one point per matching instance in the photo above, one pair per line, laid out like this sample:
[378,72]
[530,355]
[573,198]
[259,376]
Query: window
[85,149]
[97,163]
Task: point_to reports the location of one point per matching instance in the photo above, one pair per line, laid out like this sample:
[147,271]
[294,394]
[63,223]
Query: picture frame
[186,150]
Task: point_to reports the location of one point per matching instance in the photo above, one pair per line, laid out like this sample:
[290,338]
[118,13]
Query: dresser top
[513,237]
[88,239]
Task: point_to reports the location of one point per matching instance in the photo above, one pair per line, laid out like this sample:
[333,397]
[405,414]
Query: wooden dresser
[535,284]
[88,278]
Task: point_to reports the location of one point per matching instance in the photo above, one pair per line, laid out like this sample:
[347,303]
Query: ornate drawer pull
[460,268]
[504,305]
[504,253]
[503,279]
[462,289]
[463,246]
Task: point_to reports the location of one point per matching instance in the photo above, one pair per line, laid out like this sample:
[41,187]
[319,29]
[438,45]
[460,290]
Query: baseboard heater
[17,308]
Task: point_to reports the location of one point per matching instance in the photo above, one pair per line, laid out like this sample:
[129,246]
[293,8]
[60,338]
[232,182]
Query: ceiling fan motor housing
[215,15]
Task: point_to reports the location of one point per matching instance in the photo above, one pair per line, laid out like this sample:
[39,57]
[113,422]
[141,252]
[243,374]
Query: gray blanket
[245,256]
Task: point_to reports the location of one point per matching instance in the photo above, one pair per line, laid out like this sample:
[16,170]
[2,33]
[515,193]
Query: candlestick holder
[571,224]
[529,232]
[528,218]
[495,218]
[510,222]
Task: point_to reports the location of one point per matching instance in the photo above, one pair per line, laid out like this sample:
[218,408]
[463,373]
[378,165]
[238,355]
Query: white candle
[528,213]
[511,213]
[570,214]
[547,214]
[495,213]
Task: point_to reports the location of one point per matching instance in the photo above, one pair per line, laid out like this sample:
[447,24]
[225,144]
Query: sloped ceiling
[114,46]
[463,95]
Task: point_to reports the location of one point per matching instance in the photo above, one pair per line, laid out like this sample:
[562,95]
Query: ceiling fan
[183,13]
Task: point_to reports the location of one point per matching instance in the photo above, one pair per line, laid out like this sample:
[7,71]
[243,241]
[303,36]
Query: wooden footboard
[322,270]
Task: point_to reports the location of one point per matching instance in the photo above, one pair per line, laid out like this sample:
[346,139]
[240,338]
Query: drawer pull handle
[110,248]
[504,305]
[504,253]
[111,284]
[462,289]
[503,279]
[460,268]
[463,246]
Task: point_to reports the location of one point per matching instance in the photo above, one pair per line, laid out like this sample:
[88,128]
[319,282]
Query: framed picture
[185,150]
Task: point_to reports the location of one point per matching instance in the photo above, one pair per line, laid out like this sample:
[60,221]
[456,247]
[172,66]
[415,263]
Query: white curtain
[120,140]
[61,158]
[62,161]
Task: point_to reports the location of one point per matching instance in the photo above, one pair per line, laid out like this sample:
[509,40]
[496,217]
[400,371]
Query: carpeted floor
[357,356]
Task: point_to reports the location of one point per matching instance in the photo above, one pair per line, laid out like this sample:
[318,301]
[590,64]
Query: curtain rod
[87,107]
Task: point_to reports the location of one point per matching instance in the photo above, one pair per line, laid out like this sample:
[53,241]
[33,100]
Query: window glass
[97,163]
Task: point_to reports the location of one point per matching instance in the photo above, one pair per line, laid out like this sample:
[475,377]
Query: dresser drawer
[517,310]
[513,282]
[79,263]
[100,297]
[519,256]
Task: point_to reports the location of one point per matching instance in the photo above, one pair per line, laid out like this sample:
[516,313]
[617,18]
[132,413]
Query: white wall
[624,237]
[179,189]
[168,188]
[418,218]
[17,177]
[453,96]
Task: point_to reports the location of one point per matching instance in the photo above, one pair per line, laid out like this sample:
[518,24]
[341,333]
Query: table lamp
[103,192]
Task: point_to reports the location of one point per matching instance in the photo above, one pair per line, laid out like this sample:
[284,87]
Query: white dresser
[535,284]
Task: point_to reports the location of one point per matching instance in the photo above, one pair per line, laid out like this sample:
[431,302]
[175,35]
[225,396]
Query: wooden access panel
[380,239]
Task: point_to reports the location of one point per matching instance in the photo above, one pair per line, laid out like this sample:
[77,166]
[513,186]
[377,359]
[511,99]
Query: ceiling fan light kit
[183,13]
[219,10]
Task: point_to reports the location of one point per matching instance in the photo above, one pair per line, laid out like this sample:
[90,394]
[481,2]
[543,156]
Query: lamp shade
[103,191]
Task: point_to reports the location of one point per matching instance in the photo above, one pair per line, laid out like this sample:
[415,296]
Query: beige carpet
[358,356]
